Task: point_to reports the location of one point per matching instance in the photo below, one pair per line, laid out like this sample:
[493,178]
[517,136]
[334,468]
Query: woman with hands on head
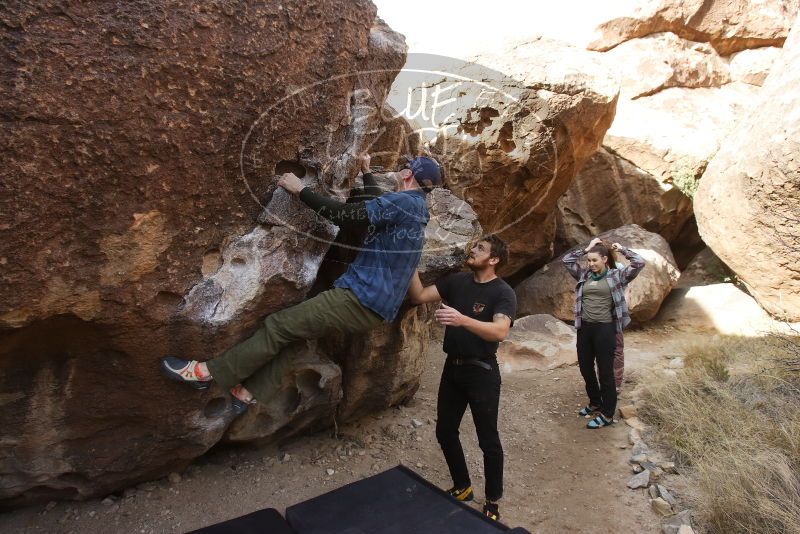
[600,313]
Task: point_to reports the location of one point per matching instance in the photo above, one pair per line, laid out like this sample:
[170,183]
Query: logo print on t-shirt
[477,307]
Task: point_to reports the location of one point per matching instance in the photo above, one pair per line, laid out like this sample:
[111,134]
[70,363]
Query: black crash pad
[268,521]
[397,501]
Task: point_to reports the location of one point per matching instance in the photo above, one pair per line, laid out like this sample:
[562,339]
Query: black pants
[463,385]
[597,342]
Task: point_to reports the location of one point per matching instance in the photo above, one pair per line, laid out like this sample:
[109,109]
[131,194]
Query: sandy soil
[559,476]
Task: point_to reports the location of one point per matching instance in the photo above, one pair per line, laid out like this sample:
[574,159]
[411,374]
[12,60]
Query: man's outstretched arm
[418,294]
[340,213]
[352,214]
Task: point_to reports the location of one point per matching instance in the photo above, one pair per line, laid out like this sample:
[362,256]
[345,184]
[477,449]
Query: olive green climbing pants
[257,362]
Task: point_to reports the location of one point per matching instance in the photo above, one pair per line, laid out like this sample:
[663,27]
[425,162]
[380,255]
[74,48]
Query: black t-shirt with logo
[480,301]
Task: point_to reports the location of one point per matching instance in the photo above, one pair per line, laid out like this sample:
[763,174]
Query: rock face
[704,269]
[728,25]
[392,355]
[748,202]
[453,226]
[721,308]
[752,66]
[395,138]
[677,104]
[610,192]
[537,342]
[677,131]
[551,290]
[664,60]
[141,139]
[306,397]
[511,144]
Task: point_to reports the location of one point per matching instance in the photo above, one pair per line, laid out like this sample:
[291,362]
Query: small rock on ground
[639,481]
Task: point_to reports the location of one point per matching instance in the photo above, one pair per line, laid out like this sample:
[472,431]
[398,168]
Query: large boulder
[551,290]
[610,192]
[650,64]
[675,132]
[748,202]
[753,66]
[512,140]
[676,103]
[539,342]
[141,139]
[721,308]
[728,25]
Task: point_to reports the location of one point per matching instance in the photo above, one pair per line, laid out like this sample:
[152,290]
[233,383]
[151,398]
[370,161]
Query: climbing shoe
[184,371]
[588,410]
[240,400]
[491,510]
[461,494]
[599,422]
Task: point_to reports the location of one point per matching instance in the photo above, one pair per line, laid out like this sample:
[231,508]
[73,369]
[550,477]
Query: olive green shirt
[597,301]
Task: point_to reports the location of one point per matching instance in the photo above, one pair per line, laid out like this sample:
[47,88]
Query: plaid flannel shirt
[617,280]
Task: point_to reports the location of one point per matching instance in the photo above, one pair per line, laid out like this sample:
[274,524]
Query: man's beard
[473,266]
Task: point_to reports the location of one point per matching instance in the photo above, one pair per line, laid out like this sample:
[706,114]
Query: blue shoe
[599,422]
[588,410]
[184,371]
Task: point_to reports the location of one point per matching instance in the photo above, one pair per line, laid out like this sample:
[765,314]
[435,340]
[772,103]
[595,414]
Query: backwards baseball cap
[426,171]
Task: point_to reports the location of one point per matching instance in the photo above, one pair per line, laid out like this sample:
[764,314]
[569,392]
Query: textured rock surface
[140,143]
[729,25]
[308,397]
[704,269]
[453,225]
[537,342]
[610,192]
[663,60]
[551,290]
[677,131]
[382,368]
[722,308]
[511,144]
[748,202]
[753,66]
[395,137]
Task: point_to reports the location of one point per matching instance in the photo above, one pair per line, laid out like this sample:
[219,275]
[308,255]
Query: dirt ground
[559,476]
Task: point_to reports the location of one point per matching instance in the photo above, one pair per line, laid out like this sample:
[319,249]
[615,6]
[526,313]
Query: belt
[469,361]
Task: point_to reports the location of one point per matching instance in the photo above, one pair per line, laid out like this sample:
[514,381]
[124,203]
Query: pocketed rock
[727,25]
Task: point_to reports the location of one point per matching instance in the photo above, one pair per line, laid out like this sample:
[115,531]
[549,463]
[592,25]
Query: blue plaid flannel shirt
[617,278]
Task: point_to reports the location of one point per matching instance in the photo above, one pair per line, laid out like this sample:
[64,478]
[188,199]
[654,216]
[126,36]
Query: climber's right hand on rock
[291,183]
[365,160]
